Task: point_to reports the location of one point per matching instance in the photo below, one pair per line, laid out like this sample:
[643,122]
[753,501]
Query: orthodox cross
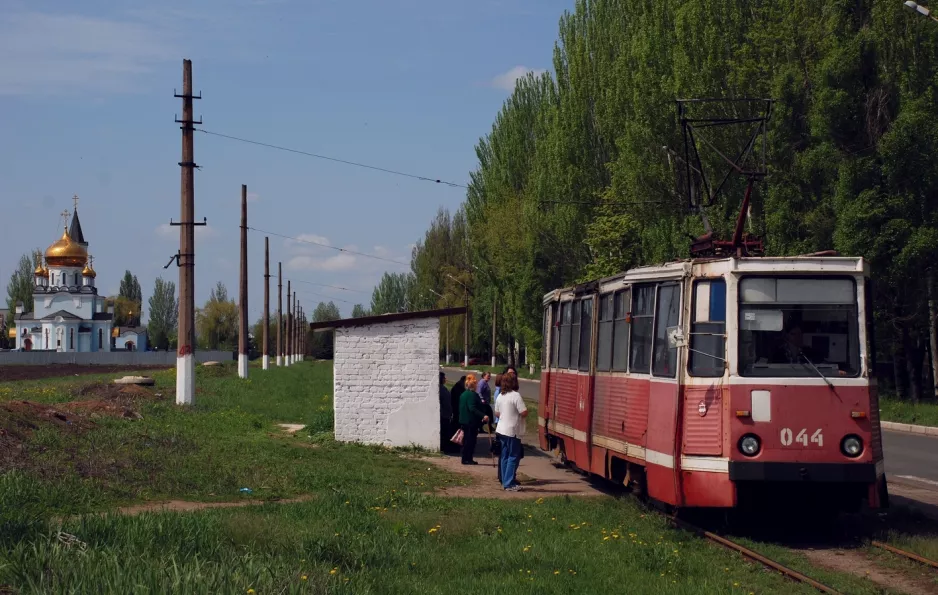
[90,261]
[75,198]
[65,215]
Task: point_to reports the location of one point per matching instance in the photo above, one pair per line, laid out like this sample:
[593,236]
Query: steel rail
[908,555]
[794,574]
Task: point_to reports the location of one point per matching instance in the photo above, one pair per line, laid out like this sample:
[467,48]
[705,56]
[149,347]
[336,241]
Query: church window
[76,278]
[71,338]
[100,340]
[47,339]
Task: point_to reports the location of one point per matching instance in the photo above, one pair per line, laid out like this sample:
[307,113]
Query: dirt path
[187,506]
[856,563]
[539,476]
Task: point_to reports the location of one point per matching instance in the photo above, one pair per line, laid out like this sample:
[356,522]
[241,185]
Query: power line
[324,245]
[327,297]
[334,287]
[335,159]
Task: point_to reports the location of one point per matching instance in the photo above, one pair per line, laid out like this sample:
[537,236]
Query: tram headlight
[749,445]
[852,446]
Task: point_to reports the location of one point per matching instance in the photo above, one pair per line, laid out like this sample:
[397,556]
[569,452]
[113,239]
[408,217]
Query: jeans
[470,434]
[509,460]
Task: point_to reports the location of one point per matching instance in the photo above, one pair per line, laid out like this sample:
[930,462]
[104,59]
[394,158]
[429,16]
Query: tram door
[584,385]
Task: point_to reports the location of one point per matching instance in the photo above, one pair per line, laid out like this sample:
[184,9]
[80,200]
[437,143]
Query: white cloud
[339,262]
[506,80]
[167,231]
[50,54]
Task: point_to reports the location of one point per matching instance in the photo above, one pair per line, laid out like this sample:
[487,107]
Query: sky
[86,93]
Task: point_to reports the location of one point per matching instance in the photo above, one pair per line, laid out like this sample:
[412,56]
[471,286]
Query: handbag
[457,437]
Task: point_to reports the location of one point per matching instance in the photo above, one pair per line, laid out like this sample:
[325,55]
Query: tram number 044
[788,437]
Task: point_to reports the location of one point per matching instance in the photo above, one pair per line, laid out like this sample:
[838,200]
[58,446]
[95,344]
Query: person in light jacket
[511,412]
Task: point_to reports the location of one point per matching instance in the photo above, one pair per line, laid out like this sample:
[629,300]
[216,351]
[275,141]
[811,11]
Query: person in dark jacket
[471,417]
[458,389]
[446,416]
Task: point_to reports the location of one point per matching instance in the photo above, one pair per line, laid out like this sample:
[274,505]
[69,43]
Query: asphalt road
[907,456]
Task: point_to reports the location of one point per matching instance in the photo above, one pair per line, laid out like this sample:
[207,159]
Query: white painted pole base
[286,361]
[493,361]
[448,358]
[279,361]
[242,365]
[185,379]
[265,363]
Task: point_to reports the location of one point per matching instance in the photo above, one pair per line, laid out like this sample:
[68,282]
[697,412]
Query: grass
[923,414]
[371,525]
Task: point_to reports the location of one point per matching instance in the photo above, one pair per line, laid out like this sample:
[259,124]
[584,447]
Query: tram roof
[782,265]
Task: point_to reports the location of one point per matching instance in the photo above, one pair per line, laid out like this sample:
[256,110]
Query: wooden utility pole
[301,334]
[279,314]
[185,258]
[243,289]
[296,340]
[288,325]
[265,362]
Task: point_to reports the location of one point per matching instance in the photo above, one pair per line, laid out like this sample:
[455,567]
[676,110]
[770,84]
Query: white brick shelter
[386,378]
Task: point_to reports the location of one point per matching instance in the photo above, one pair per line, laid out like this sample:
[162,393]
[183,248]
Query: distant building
[68,314]
[129,338]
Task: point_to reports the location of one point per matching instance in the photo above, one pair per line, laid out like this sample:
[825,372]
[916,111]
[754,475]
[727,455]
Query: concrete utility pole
[289,324]
[265,362]
[185,258]
[243,290]
[494,314]
[293,330]
[279,314]
[300,328]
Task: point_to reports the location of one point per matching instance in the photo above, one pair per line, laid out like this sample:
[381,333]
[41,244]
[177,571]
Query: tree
[257,330]
[164,314]
[22,282]
[392,293]
[321,344]
[217,321]
[130,290]
[359,311]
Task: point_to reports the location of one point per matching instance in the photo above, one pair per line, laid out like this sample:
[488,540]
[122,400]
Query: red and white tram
[718,382]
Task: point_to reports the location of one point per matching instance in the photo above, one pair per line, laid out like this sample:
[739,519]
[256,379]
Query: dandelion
[539,501]
[303,577]
[556,572]
[346,502]
[433,530]
[606,538]
[334,570]
[553,518]
[735,584]
[251,591]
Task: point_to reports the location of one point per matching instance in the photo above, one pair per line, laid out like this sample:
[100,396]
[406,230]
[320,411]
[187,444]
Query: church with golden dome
[68,314]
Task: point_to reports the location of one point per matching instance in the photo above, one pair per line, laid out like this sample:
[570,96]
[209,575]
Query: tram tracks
[756,556]
[900,552]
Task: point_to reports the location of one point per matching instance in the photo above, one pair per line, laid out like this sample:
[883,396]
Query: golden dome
[66,253]
[39,270]
[88,272]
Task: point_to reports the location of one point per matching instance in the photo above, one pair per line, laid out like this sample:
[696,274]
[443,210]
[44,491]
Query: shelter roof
[329,325]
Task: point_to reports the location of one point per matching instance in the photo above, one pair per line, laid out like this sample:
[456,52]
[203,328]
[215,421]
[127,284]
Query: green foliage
[217,321]
[22,281]
[164,313]
[132,294]
[359,311]
[320,344]
[392,294]
[573,183]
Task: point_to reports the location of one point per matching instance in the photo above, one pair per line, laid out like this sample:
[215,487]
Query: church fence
[106,358]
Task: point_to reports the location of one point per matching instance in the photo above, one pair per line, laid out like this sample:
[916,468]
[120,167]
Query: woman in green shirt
[471,417]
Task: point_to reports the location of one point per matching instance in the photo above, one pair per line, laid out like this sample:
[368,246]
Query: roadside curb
[909,428]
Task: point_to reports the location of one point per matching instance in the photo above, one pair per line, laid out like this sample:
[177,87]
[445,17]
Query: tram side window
[620,341]
[554,335]
[566,311]
[575,337]
[668,315]
[708,329]
[586,333]
[643,316]
[604,344]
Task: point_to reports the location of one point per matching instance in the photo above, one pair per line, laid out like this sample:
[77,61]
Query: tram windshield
[798,327]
